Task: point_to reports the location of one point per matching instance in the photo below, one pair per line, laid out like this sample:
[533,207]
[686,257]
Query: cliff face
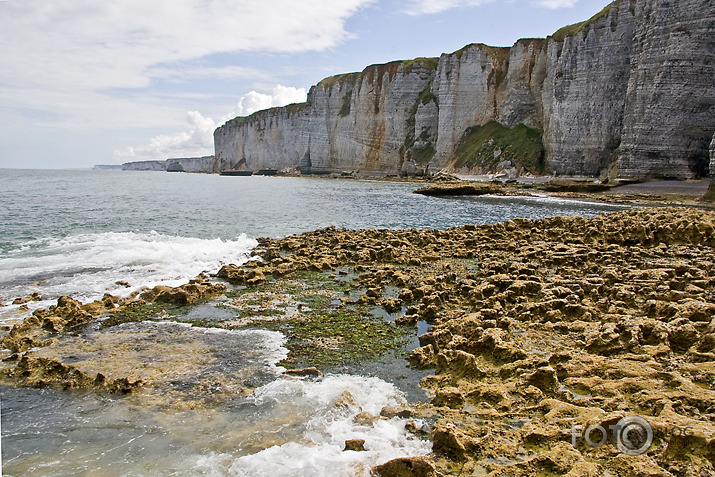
[585,90]
[628,92]
[192,164]
[479,84]
[184,164]
[355,122]
[670,109]
[144,166]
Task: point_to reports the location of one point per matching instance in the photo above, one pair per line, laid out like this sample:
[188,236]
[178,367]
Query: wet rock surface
[539,326]
[536,327]
[407,467]
[646,194]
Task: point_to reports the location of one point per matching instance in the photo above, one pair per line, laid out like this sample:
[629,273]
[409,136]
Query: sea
[84,233]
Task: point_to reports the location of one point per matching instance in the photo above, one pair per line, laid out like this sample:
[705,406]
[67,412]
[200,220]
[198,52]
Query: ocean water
[87,233]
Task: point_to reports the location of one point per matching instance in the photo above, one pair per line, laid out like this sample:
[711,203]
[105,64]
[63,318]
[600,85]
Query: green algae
[338,337]
[149,311]
[321,330]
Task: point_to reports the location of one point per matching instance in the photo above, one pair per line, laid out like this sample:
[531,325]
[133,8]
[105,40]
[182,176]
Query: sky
[85,82]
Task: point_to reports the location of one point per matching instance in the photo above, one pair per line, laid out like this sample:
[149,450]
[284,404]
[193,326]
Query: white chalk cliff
[630,92]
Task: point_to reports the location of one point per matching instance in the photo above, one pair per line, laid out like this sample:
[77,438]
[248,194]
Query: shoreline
[650,193]
[550,324]
[539,324]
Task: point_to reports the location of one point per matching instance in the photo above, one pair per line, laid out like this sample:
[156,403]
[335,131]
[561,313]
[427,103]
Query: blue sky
[86,82]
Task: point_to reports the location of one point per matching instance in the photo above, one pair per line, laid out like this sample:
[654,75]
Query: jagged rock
[707,344]
[544,378]
[681,337]
[357,445]
[364,418]
[41,372]
[543,324]
[459,364]
[232,273]
[447,441]
[407,320]
[183,295]
[392,411]
[450,397]
[422,357]
[66,314]
[391,304]
[411,427]
[346,400]
[407,467]
[27,299]
[312,371]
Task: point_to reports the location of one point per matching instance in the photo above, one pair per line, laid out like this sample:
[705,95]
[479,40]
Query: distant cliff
[629,92]
[184,164]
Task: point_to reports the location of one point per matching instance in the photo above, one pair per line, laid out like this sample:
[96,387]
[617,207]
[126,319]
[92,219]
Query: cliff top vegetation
[392,67]
[573,30]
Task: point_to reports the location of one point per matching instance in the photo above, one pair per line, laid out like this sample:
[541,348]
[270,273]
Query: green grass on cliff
[295,107]
[330,81]
[521,145]
[427,63]
[426,96]
[407,66]
[573,30]
[289,109]
[496,53]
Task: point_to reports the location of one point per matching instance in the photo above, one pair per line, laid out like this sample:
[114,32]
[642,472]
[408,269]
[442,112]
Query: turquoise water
[79,232]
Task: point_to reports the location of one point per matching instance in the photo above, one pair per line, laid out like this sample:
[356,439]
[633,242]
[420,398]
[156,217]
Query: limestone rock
[312,371]
[27,299]
[407,467]
[364,418]
[544,378]
[392,411]
[185,164]
[183,295]
[357,445]
[627,92]
[346,400]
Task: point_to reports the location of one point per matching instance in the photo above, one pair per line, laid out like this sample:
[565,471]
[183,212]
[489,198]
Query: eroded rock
[407,467]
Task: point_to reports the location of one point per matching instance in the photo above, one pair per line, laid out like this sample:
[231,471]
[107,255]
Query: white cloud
[554,4]
[280,96]
[75,52]
[197,141]
[183,73]
[424,7]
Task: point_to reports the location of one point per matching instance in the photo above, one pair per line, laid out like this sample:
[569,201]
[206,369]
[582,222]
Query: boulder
[407,467]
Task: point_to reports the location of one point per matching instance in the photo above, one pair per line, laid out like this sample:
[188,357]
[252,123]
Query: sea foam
[326,422]
[87,266]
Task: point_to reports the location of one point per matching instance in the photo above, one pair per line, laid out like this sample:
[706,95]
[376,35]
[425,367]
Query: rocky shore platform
[543,332]
[640,193]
